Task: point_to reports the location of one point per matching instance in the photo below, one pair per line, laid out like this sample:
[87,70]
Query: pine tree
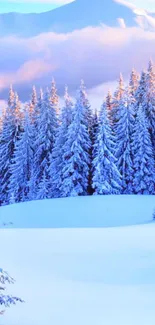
[57,162]
[9,136]
[106,178]
[150,101]
[47,127]
[86,104]
[76,153]
[35,126]
[54,99]
[43,186]
[89,124]
[109,105]
[21,167]
[116,102]
[133,82]
[124,131]
[132,89]
[33,104]
[140,95]
[144,172]
[11,97]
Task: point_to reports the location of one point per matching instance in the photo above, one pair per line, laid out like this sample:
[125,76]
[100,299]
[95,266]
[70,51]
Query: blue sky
[45,5]
[29,5]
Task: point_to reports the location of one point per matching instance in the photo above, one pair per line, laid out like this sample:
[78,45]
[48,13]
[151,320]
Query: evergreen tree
[89,120]
[106,178]
[9,136]
[86,104]
[109,105]
[54,99]
[150,101]
[123,153]
[140,95]
[21,167]
[35,138]
[132,89]
[116,102]
[33,105]
[47,127]
[11,97]
[76,153]
[43,186]
[144,172]
[93,137]
[133,82]
[57,162]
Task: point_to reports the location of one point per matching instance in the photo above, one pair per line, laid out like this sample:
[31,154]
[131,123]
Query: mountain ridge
[67,18]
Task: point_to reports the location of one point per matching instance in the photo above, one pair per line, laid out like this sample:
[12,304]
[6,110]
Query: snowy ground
[80,212]
[81,276]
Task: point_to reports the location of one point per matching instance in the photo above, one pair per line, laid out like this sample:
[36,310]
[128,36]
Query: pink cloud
[29,71]
[96,54]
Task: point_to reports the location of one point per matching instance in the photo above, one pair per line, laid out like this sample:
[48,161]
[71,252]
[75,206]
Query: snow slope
[96,211]
[81,276]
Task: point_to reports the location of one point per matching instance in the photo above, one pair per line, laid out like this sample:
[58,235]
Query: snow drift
[87,212]
[81,276]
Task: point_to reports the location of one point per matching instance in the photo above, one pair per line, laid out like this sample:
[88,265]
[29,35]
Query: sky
[96,54]
[27,6]
[45,5]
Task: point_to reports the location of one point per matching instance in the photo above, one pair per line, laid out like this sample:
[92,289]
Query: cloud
[127,3]
[121,22]
[96,54]
[133,4]
[29,71]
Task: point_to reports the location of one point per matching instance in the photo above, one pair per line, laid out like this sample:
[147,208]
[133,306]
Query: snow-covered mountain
[75,15]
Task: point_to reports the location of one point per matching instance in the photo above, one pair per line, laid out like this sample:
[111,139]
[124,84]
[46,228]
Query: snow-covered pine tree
[34,96]
[109,104]
[33,104]
[17,112]
[106,178]
[77,152]
[86,104]
[132,89]
[116,102]
[57,162]
[11,97]
[35,134]
[21,167]
[46,128]
[6,300]
[54,99]
[144,172]
[43,186]
[124,131]
[140,94]
[94,132]
[9,136]
[89,123]
[133,82]
[150,101]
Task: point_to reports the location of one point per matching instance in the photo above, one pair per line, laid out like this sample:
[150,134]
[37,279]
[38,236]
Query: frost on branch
[6,300]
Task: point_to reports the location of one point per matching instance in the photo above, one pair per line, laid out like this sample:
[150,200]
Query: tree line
[52,152]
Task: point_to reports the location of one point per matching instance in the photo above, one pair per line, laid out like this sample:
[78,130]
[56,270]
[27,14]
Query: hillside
[81,276]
